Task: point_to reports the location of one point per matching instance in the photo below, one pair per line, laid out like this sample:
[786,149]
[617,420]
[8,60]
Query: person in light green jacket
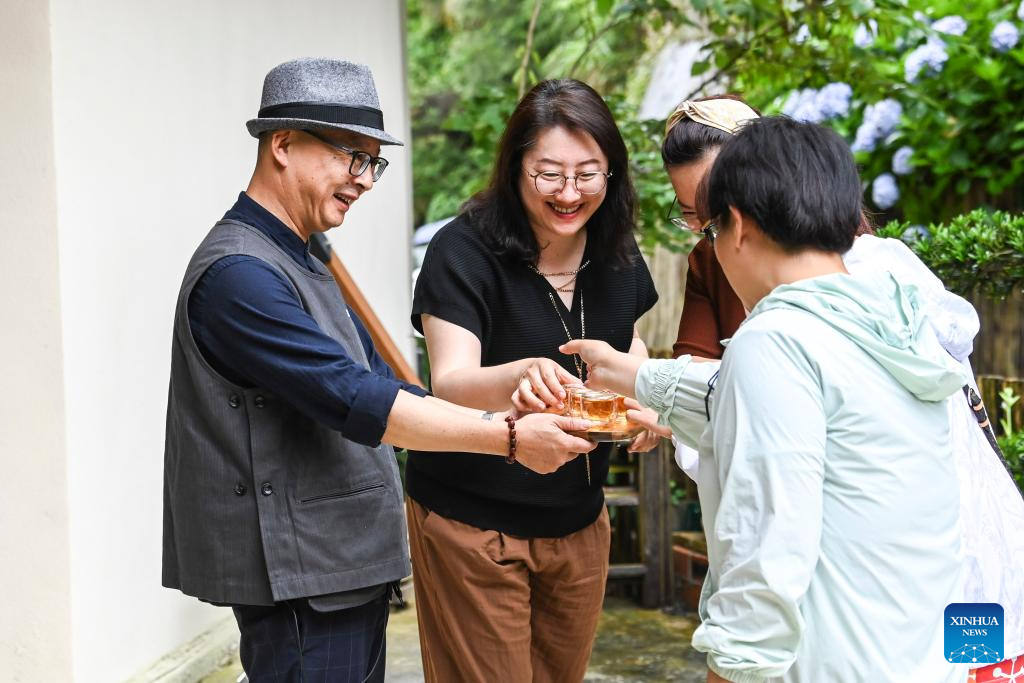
[827,478]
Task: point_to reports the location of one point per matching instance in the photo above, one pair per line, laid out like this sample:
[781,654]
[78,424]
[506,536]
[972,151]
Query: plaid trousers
[291,642]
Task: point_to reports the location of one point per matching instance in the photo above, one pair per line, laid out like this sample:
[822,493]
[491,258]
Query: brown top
[711,310]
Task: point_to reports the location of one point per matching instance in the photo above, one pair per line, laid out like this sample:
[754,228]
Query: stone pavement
[632,645]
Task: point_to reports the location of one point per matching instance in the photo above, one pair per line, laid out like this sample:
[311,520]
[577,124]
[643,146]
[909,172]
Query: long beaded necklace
[583,331]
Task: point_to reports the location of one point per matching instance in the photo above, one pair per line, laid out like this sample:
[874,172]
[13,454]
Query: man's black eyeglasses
[360,160]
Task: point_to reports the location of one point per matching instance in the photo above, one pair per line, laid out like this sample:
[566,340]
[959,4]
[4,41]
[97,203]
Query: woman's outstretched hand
[606,367]
[648,419]
[649,438]
[540,387]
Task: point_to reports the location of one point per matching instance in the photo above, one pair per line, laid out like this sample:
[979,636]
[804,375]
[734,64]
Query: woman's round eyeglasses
[552,182]
[685,220]
[710,230]
[360,160]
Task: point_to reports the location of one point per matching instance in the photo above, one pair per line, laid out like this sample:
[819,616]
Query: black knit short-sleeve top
[510,309]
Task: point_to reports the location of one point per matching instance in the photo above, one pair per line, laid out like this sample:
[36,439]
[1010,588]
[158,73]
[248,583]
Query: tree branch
[732,62]
[528,52]
[590,44]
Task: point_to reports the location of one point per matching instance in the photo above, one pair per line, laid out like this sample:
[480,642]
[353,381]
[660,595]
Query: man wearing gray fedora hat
[281,498]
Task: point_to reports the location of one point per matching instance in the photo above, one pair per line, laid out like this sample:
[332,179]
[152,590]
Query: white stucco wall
[35,626]
[149,105]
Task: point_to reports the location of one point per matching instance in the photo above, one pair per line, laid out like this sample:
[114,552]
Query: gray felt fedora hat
[321,93]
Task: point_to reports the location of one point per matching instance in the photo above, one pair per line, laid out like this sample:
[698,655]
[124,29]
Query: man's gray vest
[261,503]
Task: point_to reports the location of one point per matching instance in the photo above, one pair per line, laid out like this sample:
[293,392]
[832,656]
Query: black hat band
[326,113]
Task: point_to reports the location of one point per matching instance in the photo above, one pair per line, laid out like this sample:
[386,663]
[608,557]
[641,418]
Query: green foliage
[1008,398]
[467,70]
[980,249]
[677,494]
[1013,451]
[654,192]
[964,119]
[1012,442]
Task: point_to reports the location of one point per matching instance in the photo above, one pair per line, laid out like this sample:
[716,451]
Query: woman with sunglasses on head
[510,566]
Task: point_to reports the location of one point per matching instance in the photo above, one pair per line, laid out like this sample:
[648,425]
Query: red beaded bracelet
[511,421]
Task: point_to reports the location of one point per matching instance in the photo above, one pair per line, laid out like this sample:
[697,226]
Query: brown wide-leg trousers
[500,609]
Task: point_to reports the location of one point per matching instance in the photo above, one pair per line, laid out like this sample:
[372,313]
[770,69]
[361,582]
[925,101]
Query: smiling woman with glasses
[553,182]
[544,254]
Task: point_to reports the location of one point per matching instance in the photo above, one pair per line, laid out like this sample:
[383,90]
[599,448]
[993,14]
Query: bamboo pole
[354,297]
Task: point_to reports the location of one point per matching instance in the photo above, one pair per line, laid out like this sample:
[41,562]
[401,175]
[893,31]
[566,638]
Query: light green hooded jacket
[828,487]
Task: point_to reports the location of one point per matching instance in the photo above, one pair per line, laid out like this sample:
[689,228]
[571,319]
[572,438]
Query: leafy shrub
[1012,441]
[981,249]
[1013,451]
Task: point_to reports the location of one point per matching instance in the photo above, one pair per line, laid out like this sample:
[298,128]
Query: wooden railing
[320,247]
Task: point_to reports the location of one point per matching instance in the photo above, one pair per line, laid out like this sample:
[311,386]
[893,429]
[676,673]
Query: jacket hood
[953,318]
[884,317]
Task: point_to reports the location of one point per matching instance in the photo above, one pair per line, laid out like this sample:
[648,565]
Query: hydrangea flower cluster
[1020,11]
[884,192]
[864,35]
[833,100]
[815,106]
[880,120]
[929,58]
[901,160]
[916,232]
[953,25]
[1005,36]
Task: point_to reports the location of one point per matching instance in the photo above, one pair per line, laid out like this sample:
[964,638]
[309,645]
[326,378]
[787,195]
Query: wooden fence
[999,347]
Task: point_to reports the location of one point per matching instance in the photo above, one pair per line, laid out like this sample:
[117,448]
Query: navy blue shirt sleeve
[250,326]
[377,363]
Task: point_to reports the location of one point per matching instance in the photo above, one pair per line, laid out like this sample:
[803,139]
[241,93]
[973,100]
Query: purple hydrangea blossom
[1020,11]
[915,233]
[884,192]
[865,140]
[815,106]
[802,105]
[802,34]
[929,58]
[833,100]
[864,35]
[901,160]
[1005,36]
[953,25]
[880,120]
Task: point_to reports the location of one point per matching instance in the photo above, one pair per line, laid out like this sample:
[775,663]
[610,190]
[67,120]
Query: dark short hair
[688,141]
[498,212]
[797,180]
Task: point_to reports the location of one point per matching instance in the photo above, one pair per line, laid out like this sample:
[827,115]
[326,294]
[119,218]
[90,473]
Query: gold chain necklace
[562,274]
[575,357]
[583,330]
